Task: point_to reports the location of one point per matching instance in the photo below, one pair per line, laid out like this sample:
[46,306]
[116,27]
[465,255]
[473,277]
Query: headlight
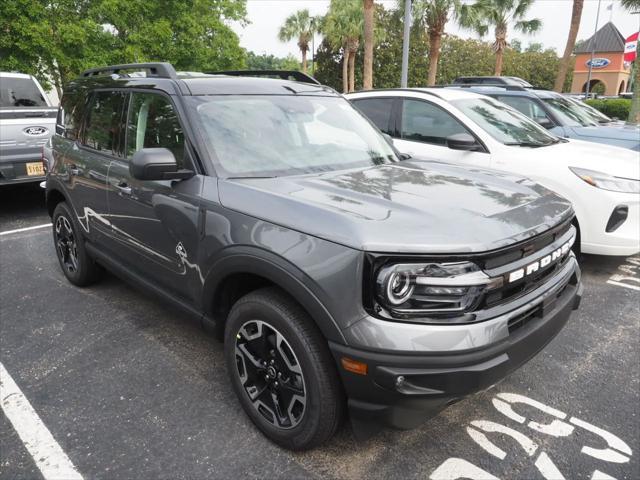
[432,288]
[607,182]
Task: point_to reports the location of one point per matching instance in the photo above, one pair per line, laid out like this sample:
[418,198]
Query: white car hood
[616,161]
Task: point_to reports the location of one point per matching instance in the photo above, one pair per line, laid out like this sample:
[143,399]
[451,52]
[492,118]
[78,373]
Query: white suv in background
[27,121]
[603,182]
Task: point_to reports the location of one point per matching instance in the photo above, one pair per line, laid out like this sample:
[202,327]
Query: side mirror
[156,164]
[544,122]
[463,141]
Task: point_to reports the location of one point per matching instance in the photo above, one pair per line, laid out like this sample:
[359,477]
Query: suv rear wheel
[282,371]
[79,268]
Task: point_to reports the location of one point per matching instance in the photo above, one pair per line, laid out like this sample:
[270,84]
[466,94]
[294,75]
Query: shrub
[614,107]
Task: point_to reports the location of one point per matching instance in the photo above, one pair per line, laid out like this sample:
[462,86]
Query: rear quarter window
[20,92]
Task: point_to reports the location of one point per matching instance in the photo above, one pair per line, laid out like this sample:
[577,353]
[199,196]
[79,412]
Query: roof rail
[282,74]
[156,69]
[516,88]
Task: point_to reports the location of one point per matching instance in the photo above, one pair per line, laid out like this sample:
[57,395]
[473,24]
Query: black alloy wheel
[66,244]
[270,374]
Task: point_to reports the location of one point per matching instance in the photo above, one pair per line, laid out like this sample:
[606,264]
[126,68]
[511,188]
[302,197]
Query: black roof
[162,76]
[607,39]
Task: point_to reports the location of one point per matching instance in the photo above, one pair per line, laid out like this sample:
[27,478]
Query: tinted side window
[104,121]
[70,114]
[153,123]
[378,110]
[524,105]
[425,122]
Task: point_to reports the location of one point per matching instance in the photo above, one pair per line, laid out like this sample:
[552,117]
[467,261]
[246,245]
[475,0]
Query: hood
[630,133]
[616,161]
[407,207]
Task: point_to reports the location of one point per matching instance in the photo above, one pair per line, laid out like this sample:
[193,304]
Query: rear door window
[103,127]
[378,110]
[20,92]
[524,105]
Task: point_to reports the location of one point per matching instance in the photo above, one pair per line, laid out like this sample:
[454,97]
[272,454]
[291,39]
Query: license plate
[35,169]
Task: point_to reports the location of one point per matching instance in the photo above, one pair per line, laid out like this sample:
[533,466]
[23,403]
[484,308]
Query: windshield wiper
[249,177]
[528,144]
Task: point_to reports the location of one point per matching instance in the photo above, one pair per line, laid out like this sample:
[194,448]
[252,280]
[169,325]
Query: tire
[313,398]
[79,268]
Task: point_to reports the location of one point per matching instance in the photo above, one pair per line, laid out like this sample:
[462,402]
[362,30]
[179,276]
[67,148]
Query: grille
[533,313]
[511,292]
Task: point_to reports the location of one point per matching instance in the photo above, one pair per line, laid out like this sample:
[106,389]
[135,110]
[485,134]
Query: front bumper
[403,390]
[625,239]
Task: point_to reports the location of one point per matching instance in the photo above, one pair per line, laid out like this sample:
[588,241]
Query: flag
[630,45]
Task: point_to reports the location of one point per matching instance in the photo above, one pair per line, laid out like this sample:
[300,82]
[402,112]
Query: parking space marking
[25,229]
[456,468]
[629,276]
[36,437]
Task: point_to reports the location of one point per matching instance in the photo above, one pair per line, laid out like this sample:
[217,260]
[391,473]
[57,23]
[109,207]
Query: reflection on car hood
[410,207]
[614,131]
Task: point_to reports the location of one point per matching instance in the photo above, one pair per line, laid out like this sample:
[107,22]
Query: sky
[266,17]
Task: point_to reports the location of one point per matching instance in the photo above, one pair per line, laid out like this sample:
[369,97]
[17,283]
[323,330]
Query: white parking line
[25,229]
[47,454]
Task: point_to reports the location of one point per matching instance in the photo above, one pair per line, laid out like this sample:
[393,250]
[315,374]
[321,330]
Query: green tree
[343,26]
[301,26]
[55,41]
[516,45]
[485,14]
[271,62]
[434,15]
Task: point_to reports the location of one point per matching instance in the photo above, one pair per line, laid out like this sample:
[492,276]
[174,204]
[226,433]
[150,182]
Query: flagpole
[593,51]
[404,76]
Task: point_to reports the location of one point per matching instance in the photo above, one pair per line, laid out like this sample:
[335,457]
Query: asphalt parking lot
[130,388]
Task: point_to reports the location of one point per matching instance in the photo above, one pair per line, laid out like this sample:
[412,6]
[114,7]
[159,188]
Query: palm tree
[369,21]
[434,15]
[498,14]
[342,26]
[302,26]
[576,14]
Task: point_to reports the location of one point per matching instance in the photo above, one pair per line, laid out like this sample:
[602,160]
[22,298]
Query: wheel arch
[247,269]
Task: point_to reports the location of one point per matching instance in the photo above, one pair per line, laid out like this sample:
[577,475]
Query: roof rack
[516,88]
[156,69]
[282,74]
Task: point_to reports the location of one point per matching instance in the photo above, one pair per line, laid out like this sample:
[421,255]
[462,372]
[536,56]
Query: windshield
[20,92]
[596,115]
[570,113]
[275,135]
[504,123]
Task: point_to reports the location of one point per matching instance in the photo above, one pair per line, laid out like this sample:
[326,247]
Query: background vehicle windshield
[596,115]
[570,113]
[274,135]
[504,123]
[20,92]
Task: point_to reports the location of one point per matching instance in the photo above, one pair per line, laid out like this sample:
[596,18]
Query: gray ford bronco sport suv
[343,278]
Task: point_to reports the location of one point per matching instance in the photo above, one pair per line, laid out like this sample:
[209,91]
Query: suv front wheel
[79,268]
[282,371]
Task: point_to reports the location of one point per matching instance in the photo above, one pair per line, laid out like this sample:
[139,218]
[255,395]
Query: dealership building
[607,67]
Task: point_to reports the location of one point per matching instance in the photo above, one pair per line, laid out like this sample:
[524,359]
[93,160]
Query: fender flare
[279,271]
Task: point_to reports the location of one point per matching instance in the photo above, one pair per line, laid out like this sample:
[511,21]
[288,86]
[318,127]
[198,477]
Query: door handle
[124,188]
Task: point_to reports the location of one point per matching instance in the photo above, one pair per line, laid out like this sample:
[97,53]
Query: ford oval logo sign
[35,131]
[598,62]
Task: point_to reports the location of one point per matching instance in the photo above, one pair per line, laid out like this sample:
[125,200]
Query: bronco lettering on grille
[540,263]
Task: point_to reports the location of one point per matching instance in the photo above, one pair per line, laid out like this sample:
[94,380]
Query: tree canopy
[56,39]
